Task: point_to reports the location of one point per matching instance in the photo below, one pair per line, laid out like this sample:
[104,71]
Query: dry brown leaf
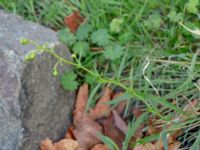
[81,102]
[82,98]
[146,146]
[149,146]
[112,131]
[120,123]
[139,147]
[120,107]
[191,106]
[152,130]
[137,112]
[100,147]
[46,145]
[174,146]
[67,144]
[69,133]
[190,109]
[159,145]
[86,130]
[73,21]
[101,109]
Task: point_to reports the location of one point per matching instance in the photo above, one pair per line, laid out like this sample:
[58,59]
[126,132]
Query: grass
[160,63]
[47,12]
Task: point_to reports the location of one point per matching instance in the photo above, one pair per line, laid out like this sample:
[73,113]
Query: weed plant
[144,50]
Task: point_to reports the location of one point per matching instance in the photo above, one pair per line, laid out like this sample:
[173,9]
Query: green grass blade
[132,127]
[90,99]
[108,141]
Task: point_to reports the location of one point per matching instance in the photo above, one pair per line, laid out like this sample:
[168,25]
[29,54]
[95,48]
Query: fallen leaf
[82,98]
[137,112]
[69,134]
[190,109]
[139,147]
[67,144]
[101,109]
[100,147]
[120,123]
[112,131]
[191,106]
[174,146]
[152,130]
[86,130]
[150,146]
[159,145]
[81,102]
[146,146]
[73,21]
[47,145]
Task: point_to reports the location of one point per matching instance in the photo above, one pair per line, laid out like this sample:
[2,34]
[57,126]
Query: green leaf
[83,32]
[174,17]
[113,52]
[68,81]
[154,21]
[100,37]
[81,48]
[191,6]
[90,79]
[66,37]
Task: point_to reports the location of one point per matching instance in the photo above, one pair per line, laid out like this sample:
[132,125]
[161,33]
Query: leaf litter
[83,133]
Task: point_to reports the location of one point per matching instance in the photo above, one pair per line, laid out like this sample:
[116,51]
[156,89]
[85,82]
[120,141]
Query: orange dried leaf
[175,134]
[81,102]
[174,146]
[120,123]
[100,147]
[101,109]
[82,98]
[112,131]
[137,112]
[67,144]
[159,144]
[139,147]
[46,145]
[152,130]
[73,21]
[146,146]
[149,146]
[86,130]
[69,133]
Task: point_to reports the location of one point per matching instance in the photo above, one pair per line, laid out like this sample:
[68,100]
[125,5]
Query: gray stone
[33,105]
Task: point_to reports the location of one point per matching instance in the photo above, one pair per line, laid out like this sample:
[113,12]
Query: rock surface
[33,106]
